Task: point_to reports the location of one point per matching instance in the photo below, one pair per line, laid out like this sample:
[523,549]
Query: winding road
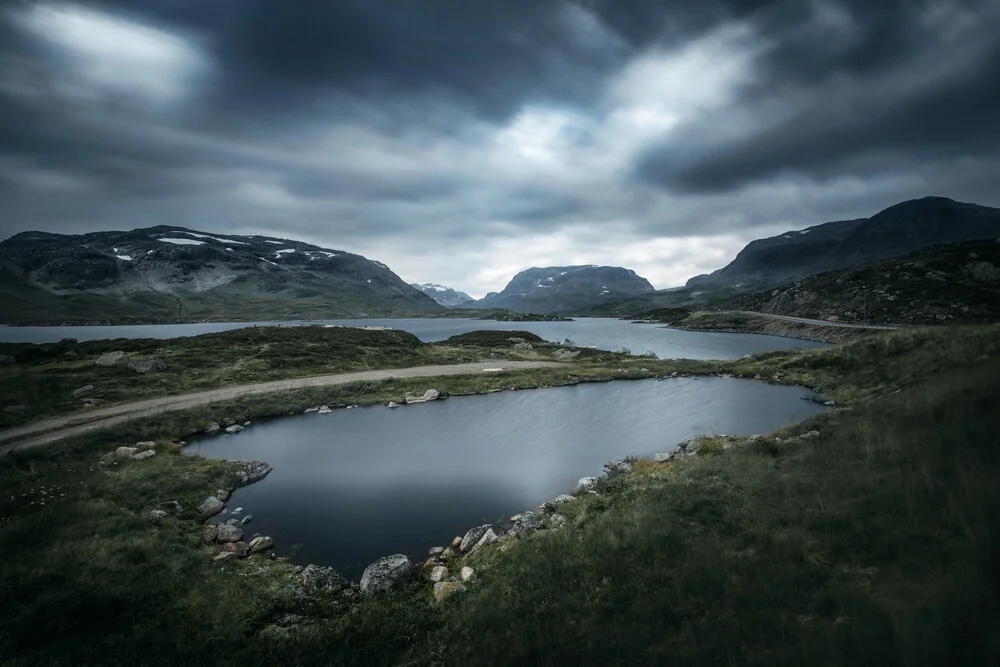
[824,323]
[57,428]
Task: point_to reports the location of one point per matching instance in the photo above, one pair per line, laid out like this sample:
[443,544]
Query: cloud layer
[459,143]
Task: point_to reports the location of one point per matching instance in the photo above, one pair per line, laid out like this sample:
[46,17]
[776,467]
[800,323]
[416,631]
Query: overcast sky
[460,142]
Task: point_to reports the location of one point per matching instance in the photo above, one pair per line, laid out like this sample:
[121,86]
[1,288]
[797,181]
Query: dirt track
[56,428]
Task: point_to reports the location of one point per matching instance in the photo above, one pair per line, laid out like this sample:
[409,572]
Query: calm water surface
[603,333]
[358,484]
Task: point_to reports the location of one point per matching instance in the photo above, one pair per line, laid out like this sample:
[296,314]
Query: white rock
[141,456]
[563,498]
[468,574]
[586,483]
[324,410]
[438,573]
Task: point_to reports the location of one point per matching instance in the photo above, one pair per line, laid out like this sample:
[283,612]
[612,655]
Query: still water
[602,333]
[358,484]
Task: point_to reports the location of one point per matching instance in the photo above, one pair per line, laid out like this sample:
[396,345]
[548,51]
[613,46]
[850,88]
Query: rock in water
[384,573]
[228,533]
[260,544]
[476,535]
[321,578]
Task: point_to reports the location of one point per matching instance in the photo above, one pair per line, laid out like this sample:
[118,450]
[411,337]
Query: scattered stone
[211,506]
[468,574]
[150,365]
[489,537]
[392,404]
[235,428]
[249,471]
[449,553]
[210,534]
[261,544]
[222,494]
[557,520]
[314,408]
[830,404]
[438,573]
[159,514]
[238,510]
[229,533]
[456,543]
[247,519]
[240,548]
[385,572]
[83,391]
[618,466]
[322,578]
[117,358]
[429,395]
[586,483]
[436,551]
[445,589]
[324,410]
[563,498]
[431,562]
[474,535]
[526,523]
[142,456]
[515,517]
[123,452]
[212,427]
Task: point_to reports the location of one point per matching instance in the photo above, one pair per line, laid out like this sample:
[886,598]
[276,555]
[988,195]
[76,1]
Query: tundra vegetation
[875,542]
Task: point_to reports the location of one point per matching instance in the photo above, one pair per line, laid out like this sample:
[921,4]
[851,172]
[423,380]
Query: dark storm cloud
[863,86]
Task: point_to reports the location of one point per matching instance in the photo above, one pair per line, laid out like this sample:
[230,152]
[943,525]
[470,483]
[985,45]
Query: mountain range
[171,273]
[899,229]
[446,296]
[563,289]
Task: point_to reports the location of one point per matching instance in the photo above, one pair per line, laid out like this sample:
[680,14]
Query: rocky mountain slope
[895,231]
[177,274]
[446,296]
[566,289]
[948,283]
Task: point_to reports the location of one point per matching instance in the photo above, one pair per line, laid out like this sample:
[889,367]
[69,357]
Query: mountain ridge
[555,289]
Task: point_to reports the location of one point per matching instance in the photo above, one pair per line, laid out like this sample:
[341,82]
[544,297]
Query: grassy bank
[735,322]
[40,380]
[875,543]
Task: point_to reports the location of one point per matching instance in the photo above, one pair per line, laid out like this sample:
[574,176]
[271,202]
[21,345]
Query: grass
[875,543]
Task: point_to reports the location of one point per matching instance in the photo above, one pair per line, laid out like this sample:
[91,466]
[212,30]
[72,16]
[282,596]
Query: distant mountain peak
[446,296]
[554,289]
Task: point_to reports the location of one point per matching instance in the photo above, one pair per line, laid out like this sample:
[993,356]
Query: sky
[460,142]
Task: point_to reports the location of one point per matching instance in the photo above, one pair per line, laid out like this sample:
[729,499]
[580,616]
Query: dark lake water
[603,333]
[357,484]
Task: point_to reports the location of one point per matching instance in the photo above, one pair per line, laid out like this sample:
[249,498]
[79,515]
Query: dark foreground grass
[877,543]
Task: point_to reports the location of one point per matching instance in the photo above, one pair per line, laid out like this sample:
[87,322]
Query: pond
[602,333]
[356,484]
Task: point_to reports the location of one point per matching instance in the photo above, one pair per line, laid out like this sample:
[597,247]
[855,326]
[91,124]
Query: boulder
[384,573]
[83,391]
[249,471]
[468,574]
[432,395]
[247,519]
[324,410]
[142,456]
[235,428]
[586,483]
[231,522]
[474,535]
[557,520]
[159,514]
[150,365]
[392,404]
[438,573]
[212,427]
[210,534]
[117,358]
[222,494]
[662,456]
[211,506]
[618,466]
[450,552]
[145,444]
[489,537]
[523,345]
[229,533]
[563,498]
[446,589]
[314,408]
[124,452]
[322,578]
[260,544]
[526,523]
[436,551]
[239,548]
[456,543]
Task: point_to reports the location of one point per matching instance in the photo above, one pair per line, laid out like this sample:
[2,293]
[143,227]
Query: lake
[357,484]
[602,333]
